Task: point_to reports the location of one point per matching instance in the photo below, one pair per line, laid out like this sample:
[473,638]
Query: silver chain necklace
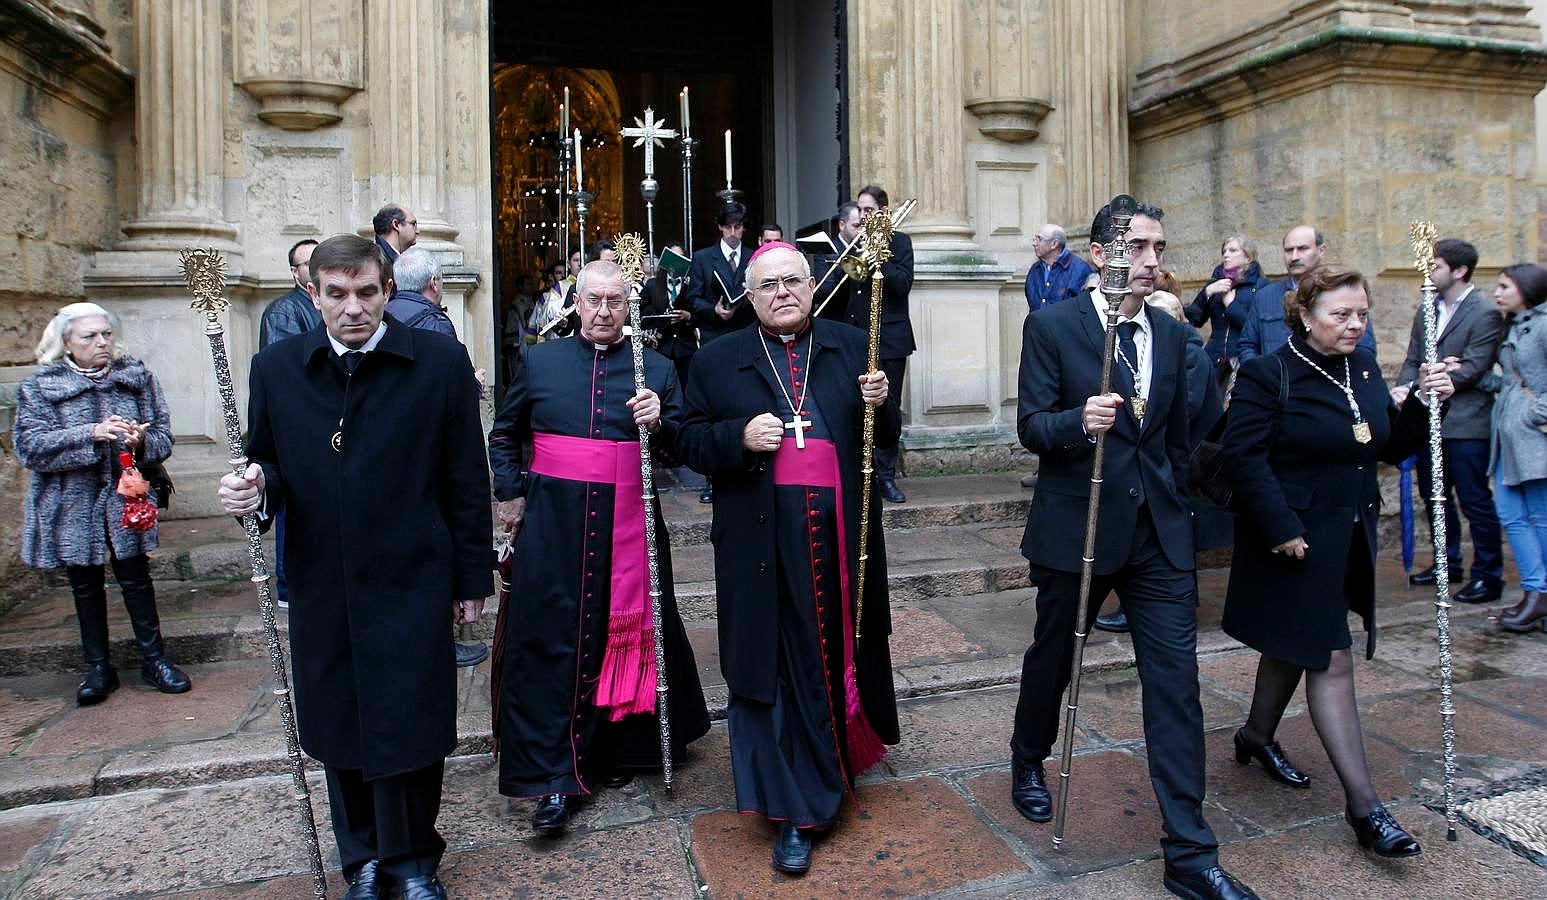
[1361,427]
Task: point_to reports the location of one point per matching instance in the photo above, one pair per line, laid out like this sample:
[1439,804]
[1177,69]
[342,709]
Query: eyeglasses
[593,304]
[770,286]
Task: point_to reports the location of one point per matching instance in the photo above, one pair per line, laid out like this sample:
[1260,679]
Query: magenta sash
[627,682]
[817,466]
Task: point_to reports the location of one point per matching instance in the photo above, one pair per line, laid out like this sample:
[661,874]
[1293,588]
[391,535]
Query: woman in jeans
[1519,458]
[86,402]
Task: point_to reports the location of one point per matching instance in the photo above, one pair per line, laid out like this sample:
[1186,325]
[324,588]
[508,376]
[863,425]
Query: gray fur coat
[72,507]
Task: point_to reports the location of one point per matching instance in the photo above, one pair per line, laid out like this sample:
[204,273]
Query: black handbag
[1206,464]
[161,488]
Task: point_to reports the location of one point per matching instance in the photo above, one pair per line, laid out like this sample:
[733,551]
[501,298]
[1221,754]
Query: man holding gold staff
[774,415]
[575,659]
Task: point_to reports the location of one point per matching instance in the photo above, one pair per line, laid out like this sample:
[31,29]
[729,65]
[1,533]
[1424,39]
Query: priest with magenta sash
[774,416]
[574,670]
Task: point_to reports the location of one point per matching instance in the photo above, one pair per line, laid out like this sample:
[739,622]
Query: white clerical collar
[370,345]
[1098,300]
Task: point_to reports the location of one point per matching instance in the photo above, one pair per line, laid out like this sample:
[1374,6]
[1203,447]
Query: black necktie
[352,360]
[733,260]
[1130,350]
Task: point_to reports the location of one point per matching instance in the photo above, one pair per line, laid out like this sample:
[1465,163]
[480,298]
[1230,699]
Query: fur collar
[59,382]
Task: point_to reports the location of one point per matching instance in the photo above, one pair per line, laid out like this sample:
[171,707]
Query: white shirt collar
[726,250]
[1464,294]
[370,345]
[1099,301]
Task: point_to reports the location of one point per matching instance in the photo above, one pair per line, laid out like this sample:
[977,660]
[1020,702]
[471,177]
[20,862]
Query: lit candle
[579,177]
[686,127]
[727,157]
[564,125]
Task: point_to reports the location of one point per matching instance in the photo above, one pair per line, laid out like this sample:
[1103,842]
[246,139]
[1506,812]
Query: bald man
[1305,248]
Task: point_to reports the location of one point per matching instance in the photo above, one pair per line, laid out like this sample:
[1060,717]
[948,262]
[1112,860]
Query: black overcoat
[1307,476]
[704,292]
[730,384]
[1145,466]
[382,536]
[896,285]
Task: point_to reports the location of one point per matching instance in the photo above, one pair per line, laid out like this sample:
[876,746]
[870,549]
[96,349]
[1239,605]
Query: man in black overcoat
[1144,543]
[716,291]
[667,293]
[577,658]
[367,434]
[774,415]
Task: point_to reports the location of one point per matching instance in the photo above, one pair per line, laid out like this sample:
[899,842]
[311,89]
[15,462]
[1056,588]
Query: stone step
[212,547]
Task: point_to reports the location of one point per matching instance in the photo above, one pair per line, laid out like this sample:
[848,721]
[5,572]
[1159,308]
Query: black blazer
[1472,335]
[728,385]
[1145,467]
[678,341]
[896,327]
[704,292]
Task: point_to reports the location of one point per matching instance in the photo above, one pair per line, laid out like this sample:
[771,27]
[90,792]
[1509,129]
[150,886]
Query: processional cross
[649,134]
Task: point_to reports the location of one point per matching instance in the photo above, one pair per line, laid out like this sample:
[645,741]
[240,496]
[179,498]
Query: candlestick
[686,123]
[727,157]
[579,178]
[564,115]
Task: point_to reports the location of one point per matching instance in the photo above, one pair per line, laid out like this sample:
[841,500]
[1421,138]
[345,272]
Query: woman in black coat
[1226,301]
[1303,469]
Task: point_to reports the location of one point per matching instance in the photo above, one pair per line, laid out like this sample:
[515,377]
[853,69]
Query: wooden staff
[1423,235]
[1114,286]
[205,271]
[875,251]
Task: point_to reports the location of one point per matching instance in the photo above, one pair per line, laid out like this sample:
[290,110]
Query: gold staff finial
[630,248]
[876,248]
[205,270]
[1422,235]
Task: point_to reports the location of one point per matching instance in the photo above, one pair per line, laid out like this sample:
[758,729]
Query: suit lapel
[1162,361]
[1462,312]
[1122,382]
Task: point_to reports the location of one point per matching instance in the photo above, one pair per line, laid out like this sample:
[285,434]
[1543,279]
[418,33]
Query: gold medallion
[337,441]
[1139,406]
[1362,432]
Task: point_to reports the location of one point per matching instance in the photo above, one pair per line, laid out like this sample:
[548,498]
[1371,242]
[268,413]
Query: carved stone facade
[136,128]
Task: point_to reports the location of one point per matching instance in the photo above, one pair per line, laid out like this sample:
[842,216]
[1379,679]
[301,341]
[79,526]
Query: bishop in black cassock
[774,415]
[575,655]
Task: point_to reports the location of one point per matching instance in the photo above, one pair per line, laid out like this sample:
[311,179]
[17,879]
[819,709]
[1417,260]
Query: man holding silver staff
[575,658]
[366,433]
[1143,543]
[774,415]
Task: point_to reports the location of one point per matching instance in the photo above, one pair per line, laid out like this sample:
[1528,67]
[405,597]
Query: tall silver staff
[687,175]
[1114,286]
[566,152]
[205,271]
[631,259]
[1423,235]
[648,133]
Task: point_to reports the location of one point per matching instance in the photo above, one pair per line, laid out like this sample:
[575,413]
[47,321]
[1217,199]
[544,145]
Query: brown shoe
[1525,598]
[1532,615]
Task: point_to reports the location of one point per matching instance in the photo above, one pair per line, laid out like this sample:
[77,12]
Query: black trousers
[1161,602]
[88,584]
[886,457]
[1466,479]
[389,819]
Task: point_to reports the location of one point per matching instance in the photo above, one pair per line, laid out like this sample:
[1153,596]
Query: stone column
[179,94]
[1092,62]
[299,58]
[406,44]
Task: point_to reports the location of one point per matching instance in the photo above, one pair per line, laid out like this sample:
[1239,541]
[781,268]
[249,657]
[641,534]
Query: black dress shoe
[471,654]
[366,885]
[1378,831]
[164,677]
[423,887]
[552,814]
[1480,590]
[792,850]
[1272,757]
[1213,883]
[1029,793]
[101,679]
[707,494]
[892,493]
[1117,623]
[1418,579]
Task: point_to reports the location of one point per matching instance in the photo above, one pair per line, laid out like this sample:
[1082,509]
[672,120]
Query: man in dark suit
[396,230]
[1304,249]
[896,328]
[667,293]
[1470,328]
[379,569]
[1145,419]
[717,290]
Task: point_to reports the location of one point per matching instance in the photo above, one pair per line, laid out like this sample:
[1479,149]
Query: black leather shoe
[366,884]
[792,850]
[707,494]
[469,655]
[1029,793]
[552,814]
[892,493]
[101,679]
[164,677]
[423,887]
[1272,757]
[1378,831]
[1213,883]
[1117,623]
[618,779]
[1457,575]
[1480,590]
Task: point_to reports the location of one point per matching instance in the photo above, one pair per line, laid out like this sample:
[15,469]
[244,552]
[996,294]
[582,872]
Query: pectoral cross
[798,424]
[649,134]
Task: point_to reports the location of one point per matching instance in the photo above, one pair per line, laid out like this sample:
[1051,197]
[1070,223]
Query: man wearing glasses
[396,230]
[774,414]
[1058,273]
[576,668]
